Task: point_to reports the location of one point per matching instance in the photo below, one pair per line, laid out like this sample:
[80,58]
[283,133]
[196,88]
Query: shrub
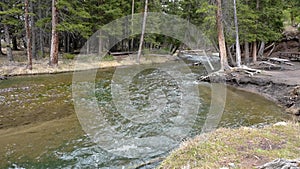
[108,58]
[68,56]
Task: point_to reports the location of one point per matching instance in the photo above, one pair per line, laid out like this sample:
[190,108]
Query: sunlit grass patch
[244,148]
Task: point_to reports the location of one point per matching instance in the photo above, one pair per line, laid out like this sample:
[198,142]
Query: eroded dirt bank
[281,86]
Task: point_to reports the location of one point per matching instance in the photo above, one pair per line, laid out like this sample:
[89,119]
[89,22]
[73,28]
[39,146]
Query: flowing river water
[40,129]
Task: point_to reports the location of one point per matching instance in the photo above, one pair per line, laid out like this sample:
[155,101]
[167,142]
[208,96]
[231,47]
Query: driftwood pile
[274,63]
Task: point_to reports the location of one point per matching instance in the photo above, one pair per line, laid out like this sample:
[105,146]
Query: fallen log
[269,65]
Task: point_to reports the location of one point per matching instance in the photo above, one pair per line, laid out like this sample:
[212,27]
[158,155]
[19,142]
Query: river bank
[237,148]
[41,66]
[280,86]
[249,147]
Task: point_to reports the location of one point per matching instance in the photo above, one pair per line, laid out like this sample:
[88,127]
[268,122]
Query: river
[40,129]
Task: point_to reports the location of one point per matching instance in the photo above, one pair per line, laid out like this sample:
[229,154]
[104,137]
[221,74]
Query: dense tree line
[45,27]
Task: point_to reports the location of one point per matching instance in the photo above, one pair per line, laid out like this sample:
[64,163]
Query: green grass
[108,58]
[68,56]
[244,147]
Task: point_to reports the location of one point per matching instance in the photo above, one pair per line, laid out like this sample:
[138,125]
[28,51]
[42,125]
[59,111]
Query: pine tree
[10,12]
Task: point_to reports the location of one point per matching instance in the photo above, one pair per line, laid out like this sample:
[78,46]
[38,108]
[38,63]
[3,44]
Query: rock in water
[3,77]
[281,164]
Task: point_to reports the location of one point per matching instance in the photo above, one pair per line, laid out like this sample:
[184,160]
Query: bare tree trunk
[247,54]
[41,36]
[237,40]
[100,43]
[261,50]
[221,38]
[33,29]
[132,12]
[254,51]
[54,38]
[28,35]
[66,42]
[254,44]
[1,53]
[143,32]
[14,43]
[87,47]
[271,51]
[7,40]
[230,55]
[292,18]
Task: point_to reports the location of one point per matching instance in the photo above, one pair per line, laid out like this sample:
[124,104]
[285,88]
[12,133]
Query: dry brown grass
[41,66]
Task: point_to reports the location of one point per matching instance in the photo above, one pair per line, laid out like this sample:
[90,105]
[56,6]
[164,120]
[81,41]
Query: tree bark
[292,18]
[1,53]
[254,51]
[87,47]
[100,43]
[237,40]
[54,36]
[230,55]
[132,12]
[247,54]
[66,42]
[7,40]
[221,38]
[14,43]
[41,36]
[261,50]
[33,31]
[28,36]
[143,32]
[254,44]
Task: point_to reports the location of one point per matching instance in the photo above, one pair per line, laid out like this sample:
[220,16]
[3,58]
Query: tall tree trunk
[100,43]
[132,12]
[1,53]
[41,36]
[7,40]
[254,44]
[66,42]
[261,50]
[237,40]
[230,55]
[28,35]
[254,51]
[88,47]
[247,54]
[33,31]
[54,37]
[292,18]
[221,38]
[143,32]
[14,43]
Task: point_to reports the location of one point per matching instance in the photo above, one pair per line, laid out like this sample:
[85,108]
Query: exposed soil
[281,86]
